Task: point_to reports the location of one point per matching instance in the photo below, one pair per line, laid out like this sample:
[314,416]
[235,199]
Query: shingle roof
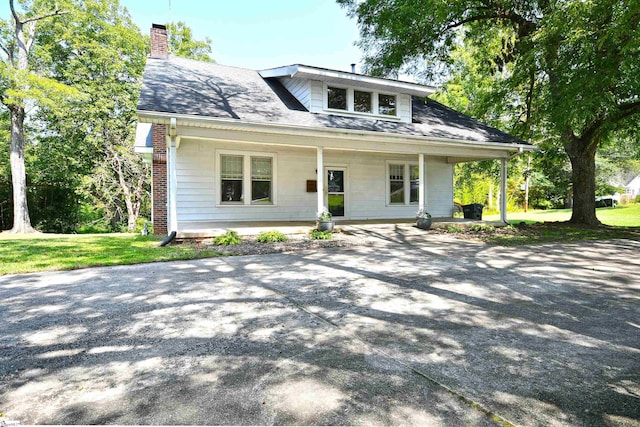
[184,86]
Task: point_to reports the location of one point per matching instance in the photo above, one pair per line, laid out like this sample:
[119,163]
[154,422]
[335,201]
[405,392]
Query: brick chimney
[159,50]
[159,46]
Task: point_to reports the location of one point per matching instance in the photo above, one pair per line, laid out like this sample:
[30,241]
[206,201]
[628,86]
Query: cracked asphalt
[412,330]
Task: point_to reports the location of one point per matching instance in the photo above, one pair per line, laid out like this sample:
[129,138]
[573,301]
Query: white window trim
[350,100]
[407,182]
[246,178]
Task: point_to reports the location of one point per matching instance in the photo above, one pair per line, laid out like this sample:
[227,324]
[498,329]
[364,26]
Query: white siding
[198,192]
[439,187]
[404,108]
[317,97]
[300,88]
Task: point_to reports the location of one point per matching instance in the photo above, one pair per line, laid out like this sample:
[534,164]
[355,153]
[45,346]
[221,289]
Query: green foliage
[182,43]
[271,237]
[320,235]
[563,74]
[482,228]
[229,238]
[453,229]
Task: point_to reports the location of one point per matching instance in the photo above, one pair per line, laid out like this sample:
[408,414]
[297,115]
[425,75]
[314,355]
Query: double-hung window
[246,179]
[231,178]
[403,183]
[261,180]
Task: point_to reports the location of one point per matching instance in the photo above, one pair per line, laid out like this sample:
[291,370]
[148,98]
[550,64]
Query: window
[362,101]
[246,178]
[231,179]
[387,104]
[261,180]
[396,184]
[337,98]
[404,183]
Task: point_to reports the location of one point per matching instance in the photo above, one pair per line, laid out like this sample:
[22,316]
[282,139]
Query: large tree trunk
[582,153]
[21,220]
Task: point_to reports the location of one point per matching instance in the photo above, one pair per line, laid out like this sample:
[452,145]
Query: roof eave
[313,73]
[158,117]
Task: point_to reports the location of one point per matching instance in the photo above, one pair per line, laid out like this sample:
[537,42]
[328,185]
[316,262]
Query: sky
[260,34]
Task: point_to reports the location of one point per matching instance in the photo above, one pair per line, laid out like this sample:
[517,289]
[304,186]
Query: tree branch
[470,19]
[57,12]
[13,12]
[9,55]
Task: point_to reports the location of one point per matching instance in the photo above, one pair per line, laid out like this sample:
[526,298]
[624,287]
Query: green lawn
[621,216]
[27,253]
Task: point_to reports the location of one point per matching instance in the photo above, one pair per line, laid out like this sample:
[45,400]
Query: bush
[229,238]
[482,227]
[272,236]
[638,198]
[453,229]
[320,235]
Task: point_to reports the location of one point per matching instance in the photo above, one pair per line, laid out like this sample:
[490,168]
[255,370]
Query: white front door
[336,191]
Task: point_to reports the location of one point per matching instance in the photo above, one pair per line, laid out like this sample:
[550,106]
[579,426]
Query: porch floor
[202,230]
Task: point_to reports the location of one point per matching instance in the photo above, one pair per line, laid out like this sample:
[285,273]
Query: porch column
[421,186]
[320,179]
[503,190]
[173,178]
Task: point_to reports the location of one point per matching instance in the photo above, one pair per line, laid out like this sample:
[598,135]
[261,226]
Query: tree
[182,43]
[564,70]
[20,85]
[103,55]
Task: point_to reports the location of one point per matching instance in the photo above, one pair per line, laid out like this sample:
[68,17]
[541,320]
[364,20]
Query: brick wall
[159,46]
[159,179]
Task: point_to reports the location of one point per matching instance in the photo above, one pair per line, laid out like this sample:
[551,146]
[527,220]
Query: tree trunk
[582,153]
[21,220]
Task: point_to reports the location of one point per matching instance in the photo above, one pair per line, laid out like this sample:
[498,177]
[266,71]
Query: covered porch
[253,228]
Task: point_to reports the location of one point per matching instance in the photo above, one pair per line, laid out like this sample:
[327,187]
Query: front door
[336,191]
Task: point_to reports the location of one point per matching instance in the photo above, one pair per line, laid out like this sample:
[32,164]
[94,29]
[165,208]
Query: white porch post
[320,179]
[173,178]
[421,186]
[503,190]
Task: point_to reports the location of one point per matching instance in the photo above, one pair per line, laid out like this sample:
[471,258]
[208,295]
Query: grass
[526,234]
[621,216]
[41,252]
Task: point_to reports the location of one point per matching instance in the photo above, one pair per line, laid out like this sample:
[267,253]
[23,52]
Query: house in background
[633,188]
[232,144]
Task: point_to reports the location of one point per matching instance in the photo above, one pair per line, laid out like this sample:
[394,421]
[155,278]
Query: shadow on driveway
[413,330]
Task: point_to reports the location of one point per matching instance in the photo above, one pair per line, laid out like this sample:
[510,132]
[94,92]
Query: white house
[633,187]
[232,144]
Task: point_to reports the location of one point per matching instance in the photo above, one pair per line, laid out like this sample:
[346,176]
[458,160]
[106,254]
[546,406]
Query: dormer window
[358,101]
[337,98]
[362,102]
[387,104]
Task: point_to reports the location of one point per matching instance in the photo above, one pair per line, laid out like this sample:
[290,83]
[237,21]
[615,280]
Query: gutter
[232,124]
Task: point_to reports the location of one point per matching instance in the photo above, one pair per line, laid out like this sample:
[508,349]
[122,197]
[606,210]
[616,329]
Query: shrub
[229,238]
[320,235]
[638,198]
[482,227]
[272,236]
[453,229]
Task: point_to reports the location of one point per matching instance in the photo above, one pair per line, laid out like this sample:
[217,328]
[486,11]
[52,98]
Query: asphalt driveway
[410,330]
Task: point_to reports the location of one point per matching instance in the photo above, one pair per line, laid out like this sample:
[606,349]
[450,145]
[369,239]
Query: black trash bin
[472,211]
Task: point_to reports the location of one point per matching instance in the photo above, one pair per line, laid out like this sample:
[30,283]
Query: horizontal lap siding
[197,197]
[439,187]
[300,88]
